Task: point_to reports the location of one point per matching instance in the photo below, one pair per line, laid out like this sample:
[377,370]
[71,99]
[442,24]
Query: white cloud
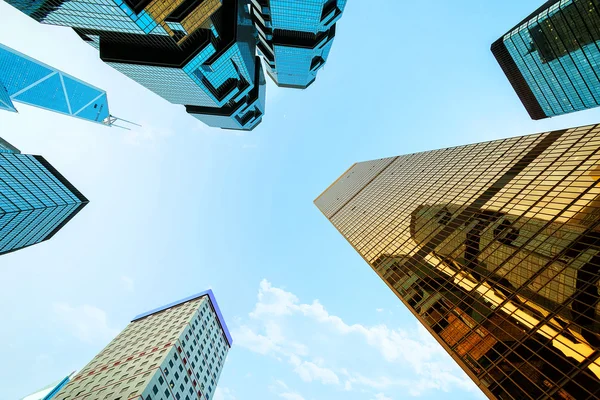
[413,350]
[291,396]
[127,283]
[224,394]
[379,309]
[247,338]
[381,396]
[282,390]
[87,323]
[309,371]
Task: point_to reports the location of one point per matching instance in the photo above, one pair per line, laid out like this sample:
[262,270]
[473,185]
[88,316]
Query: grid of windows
[557,55]
[214,70]
[173,353]
[495,248]
[295,37]
[29,81]
[35,200]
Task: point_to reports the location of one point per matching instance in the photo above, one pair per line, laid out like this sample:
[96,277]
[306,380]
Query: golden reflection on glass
[495,248]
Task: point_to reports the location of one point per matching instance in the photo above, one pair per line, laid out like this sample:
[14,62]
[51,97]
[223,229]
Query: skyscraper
[552,57]
[495,248]
[200,54]
[173,352]
[294,38]
[28,81]
[49,391]
[36,201]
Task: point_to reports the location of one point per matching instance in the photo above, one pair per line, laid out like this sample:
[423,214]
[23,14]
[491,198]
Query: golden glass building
[495,248]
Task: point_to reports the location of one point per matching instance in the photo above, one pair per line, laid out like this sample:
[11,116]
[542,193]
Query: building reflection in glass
[495,248]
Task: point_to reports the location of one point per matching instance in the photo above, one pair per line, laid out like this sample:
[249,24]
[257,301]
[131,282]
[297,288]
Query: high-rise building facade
[294,38]
[49,391]
[495,248]
[36,201]
[203,53]
[175,352]
[28,81]
[552,57]
[200,54]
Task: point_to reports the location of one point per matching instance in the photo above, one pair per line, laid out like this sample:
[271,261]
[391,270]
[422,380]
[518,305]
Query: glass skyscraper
[495,248]
[203,53]
[200,54]
[36,201]
[173,352]
[552,57]
[295,37]
[28,81]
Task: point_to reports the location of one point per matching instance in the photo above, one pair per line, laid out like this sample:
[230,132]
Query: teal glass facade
[207,55]
[552,58]
[28,81]
[209,67]
[36,201]
[295,37]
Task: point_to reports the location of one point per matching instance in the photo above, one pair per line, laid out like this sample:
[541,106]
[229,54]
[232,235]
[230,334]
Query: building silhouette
[551,58]
[495,248]
[36,201]
[173,352]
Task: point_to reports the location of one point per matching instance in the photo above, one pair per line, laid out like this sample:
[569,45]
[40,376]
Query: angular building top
[551,57]
[495,248]
[36,201]
[294,38]
[28,81]
[173,352]
[213,302]
[200,54]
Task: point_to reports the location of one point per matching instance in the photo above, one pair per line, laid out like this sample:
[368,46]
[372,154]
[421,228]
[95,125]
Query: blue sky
[177,207]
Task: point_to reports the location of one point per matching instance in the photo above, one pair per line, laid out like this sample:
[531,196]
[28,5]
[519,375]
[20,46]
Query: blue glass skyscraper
[552,57]
[28,81]
[36,201]
[198,53]
[295,37]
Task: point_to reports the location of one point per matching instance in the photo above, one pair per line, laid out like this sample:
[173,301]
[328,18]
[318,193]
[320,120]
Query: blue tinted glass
[35,200]
[29,81]
[558,55]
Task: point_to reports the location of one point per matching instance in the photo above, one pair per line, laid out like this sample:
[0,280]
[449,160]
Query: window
[161,380]
[155,389]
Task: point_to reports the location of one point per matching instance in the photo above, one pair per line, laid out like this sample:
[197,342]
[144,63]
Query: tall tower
[495,248]
[28,81]
[173,352]
[198,53]
[551,57]
[295,37]
[36,201]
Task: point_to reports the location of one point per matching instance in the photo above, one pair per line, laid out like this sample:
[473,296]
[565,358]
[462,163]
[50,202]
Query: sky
[177,207]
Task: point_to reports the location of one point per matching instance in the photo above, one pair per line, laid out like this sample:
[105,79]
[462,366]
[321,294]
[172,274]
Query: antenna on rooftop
[111,119]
